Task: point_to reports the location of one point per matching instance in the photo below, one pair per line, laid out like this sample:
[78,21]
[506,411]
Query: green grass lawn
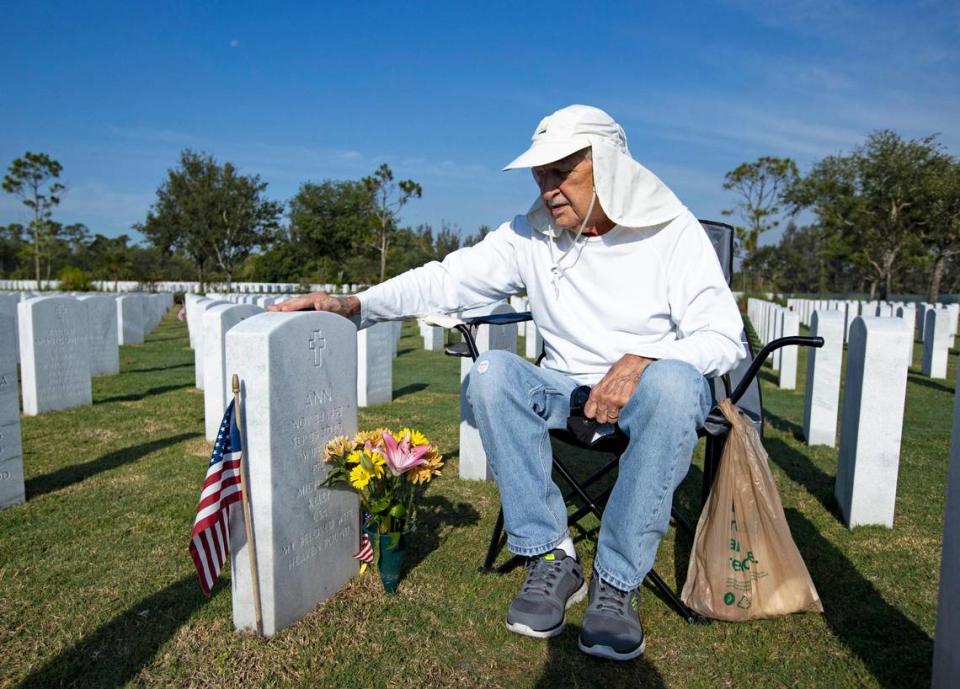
[97,589]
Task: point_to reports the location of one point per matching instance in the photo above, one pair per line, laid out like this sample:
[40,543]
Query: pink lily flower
[400,457]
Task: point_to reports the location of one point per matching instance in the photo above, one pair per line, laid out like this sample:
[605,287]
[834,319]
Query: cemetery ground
[97,589]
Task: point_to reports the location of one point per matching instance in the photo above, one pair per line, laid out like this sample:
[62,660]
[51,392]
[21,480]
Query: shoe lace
[611,599]
[542,575]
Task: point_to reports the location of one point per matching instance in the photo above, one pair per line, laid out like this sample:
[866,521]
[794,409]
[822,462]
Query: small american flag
[365,554]
[210,539]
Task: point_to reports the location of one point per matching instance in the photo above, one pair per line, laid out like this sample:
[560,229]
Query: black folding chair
[740,386]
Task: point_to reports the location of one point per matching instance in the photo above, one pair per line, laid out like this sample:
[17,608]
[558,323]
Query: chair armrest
[442,321]
[500,318]
[770,347]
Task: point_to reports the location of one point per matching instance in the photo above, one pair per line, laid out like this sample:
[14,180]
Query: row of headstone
[871,422]
[64,340]
[772,322]
[937,325]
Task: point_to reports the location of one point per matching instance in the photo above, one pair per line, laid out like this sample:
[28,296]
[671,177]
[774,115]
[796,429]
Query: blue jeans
[516,404]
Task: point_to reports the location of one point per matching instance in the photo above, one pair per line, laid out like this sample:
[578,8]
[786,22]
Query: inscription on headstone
[56,362]
[102,333]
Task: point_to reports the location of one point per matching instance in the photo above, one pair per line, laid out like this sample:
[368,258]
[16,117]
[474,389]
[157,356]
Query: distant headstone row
[63,339]
[191,287]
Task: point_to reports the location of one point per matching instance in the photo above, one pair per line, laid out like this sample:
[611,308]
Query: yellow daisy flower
[374,437]
[359,477]
[416,437]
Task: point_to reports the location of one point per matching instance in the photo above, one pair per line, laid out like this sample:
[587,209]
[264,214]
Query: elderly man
[629,296]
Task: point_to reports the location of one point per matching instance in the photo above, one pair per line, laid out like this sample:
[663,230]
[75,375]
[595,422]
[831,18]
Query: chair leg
[494,546]
[685,612]
[681,521]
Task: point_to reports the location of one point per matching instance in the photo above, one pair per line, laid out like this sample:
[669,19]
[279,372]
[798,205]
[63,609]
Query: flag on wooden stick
[210,539]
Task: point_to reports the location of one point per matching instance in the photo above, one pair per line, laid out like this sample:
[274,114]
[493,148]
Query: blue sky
[447,93]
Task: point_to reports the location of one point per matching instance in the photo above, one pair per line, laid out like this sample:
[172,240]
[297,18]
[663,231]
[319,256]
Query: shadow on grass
[409,389]
[435,513]
[896,651]
[921,379]
[113,654]
[401,352]
[75,473]
[768,374]
[158,368]
[785,425]
[800,469]
[568,666]
[151,340]
[137,396]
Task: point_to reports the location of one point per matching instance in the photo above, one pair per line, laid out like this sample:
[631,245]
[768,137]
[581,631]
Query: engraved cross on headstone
[317,343]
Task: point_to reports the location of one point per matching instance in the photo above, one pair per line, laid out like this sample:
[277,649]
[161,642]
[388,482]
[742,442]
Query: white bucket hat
[630,195]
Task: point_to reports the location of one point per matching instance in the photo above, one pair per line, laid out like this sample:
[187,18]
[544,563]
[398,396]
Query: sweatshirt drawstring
[556,269]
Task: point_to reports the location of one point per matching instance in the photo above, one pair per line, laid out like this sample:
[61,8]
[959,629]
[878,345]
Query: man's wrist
[350,305]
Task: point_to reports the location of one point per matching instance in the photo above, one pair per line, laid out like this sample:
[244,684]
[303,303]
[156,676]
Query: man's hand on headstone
[613,392]
[320,301]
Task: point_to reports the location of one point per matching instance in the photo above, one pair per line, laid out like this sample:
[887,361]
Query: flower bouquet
[389,471]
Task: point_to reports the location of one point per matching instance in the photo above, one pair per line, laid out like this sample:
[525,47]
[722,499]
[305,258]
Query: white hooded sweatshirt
[656,291]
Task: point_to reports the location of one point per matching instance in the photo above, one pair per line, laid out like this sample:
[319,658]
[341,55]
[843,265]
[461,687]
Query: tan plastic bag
[744,564]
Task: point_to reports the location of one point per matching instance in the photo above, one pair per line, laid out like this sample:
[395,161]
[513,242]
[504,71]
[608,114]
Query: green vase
[392,548]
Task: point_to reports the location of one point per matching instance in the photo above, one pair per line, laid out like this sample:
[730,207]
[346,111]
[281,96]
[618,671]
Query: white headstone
[375,347]
[102,334]
[217,320]
[533,341]
[936,344]
[788,356]
[130,320]
[909,316]
[776,335]
[473,459]
[822,393]
[946,640]
[8,307]
[190,302]
[11,452]
[298,380]
[202,306]
[433,338]
[519,304]
[56,361]
[872,423]
[953,314]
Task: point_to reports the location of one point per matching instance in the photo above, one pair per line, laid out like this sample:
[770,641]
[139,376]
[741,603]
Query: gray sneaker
[554,583]
[611,626]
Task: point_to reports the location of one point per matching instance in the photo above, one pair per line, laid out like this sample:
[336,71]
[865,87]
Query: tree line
[885,219]
[210,222]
